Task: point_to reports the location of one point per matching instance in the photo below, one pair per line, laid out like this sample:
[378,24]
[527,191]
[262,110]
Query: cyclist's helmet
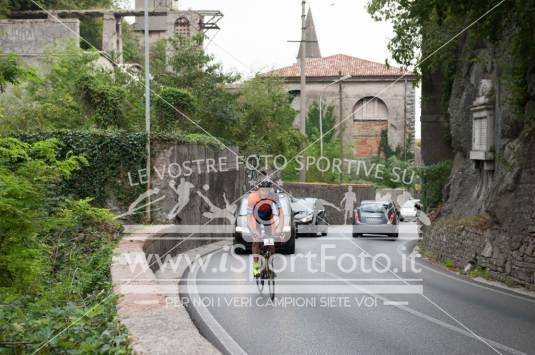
[265,212]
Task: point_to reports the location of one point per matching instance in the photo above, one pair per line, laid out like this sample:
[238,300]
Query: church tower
[311,39]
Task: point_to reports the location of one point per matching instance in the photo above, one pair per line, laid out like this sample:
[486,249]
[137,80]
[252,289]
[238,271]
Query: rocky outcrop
[505,192]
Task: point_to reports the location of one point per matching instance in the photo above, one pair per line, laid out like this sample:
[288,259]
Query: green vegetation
[188,67]
[111,156]
[422,27]
[449,264]
[433,179]
[264,119]
[55,259]
[482,221]
[12,71]
[478,271]
[172,106]
[331,145]
[74,93]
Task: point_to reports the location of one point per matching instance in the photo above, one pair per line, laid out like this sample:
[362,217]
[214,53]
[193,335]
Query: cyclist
[264,217]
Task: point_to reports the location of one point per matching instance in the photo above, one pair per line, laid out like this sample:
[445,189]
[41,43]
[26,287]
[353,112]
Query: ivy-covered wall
[116,173]
[111,156]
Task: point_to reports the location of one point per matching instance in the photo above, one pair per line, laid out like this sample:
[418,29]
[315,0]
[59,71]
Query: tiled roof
[331,66]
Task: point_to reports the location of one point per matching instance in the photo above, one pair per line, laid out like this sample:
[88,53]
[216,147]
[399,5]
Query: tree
[182,63]
[170,105]
[265,119]
[74,93]
[331,143]
[12,71]
[26,172]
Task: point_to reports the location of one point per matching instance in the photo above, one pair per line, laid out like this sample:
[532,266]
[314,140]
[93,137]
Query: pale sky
[254,34]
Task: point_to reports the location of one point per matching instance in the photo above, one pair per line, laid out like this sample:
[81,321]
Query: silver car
[310,216]
[376,219]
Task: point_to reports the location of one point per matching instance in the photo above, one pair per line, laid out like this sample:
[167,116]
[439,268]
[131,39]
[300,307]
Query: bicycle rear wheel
[260,284]
[271,287]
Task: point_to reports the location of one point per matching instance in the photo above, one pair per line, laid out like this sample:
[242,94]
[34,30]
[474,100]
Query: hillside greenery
[55,260]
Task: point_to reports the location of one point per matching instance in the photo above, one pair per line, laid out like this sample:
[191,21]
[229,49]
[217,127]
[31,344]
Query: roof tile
[331,66]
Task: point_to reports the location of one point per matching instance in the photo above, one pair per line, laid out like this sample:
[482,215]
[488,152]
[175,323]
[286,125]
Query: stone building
[375,98]
[28,33]
[174,21]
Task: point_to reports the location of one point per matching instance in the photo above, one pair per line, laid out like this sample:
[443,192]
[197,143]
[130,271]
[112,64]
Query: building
[29,33]
[375,98]
[174,21]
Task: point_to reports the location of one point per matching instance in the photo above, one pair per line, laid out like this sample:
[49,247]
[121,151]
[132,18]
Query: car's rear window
[373,208]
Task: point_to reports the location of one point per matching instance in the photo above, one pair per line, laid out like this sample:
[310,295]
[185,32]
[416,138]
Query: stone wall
[493,249]
[30,38]
[331,193]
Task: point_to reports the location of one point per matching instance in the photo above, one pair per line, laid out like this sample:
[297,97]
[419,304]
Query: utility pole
[303,101]
[405,122]
[147,106]
[340,116]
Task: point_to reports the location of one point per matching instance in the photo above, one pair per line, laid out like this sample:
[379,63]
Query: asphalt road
[419,309]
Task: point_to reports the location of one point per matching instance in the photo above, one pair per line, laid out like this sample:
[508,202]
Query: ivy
[111,156]
[169,105]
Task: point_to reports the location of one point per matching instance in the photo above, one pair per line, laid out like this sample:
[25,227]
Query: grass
[449,264]
[482,221]
[478,271]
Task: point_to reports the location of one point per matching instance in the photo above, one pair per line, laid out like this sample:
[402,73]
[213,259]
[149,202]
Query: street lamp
[345,77]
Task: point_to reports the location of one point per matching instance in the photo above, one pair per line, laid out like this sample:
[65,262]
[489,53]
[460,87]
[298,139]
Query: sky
[254,34]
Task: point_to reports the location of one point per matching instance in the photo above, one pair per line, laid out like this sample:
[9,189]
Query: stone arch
[370,108]
[370,119]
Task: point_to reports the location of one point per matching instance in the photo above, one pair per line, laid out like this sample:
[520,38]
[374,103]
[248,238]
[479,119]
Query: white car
[408,210]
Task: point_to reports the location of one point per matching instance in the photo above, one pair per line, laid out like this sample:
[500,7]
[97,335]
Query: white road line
[280,279]
[441,309]
[230,345]
[526,298]
[396,303]
[443,324]
[234,348]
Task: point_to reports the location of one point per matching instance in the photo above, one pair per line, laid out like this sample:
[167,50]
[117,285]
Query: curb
[155,327]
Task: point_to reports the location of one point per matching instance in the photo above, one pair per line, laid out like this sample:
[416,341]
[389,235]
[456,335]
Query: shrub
[168,107]
[56,257]
[433,179]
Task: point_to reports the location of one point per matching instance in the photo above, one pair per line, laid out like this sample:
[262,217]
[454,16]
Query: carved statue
[485,92]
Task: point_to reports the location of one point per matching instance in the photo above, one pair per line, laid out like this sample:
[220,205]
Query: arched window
[370,108]
[182,27]
[370,119]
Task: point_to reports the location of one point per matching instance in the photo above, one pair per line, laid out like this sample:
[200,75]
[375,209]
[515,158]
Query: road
[339,311]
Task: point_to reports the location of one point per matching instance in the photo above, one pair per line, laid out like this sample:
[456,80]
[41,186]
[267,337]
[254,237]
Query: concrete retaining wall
[223,179]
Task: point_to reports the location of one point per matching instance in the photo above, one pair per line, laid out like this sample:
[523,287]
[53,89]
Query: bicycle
[267,274]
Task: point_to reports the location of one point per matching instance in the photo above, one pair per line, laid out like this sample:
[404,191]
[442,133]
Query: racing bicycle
[267,275]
